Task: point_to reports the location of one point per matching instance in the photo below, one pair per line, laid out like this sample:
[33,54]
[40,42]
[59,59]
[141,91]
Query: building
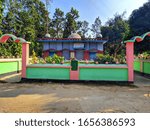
[73,47]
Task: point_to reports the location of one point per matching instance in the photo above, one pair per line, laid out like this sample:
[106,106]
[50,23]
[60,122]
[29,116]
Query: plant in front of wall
[144,56]
[35,59]
[55,59]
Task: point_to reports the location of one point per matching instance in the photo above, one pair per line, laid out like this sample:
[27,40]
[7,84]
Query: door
[92,55]
[66,54]
[79,54]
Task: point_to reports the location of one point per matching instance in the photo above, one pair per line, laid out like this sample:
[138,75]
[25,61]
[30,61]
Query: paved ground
[74,97]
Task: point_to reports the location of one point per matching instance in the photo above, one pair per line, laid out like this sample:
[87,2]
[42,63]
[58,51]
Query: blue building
[73,47]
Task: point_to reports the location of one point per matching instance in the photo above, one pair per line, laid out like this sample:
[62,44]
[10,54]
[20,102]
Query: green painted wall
[136,65]
[48,73]
[7,67]
[146,67]
[109,74]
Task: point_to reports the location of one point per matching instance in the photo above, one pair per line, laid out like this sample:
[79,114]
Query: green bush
[144,56]
[103,59]
[55,59]
[10,49]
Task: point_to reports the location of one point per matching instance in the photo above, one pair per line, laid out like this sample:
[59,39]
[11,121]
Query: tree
[140,23]
[96,27]
[140,20]
[116,30]
[70,23]
[57,24]
[83,28]
[26,18]
[1,13]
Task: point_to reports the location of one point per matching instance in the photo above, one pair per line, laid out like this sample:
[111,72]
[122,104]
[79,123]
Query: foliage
[26,19]
[55,59]
[115,49]
[107,59]
[70,23]
[57,24]
[83,28]
[34,58]
[116,29]
[144,56]
[140,20]
[140,23]
[10,49]
[1,13]
[96,27]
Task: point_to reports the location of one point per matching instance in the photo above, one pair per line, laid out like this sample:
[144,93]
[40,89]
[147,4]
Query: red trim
[4,39]
[59,53]
[86,55]
[46,54]
[100,52]
[138,39]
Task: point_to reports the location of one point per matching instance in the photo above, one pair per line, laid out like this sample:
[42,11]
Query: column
[130,60]
[25,58]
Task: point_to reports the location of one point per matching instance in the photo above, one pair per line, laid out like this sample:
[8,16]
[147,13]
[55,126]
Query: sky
[90,9]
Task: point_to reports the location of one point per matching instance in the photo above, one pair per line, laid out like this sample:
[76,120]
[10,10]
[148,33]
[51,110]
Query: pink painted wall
[25,58]
[130,60]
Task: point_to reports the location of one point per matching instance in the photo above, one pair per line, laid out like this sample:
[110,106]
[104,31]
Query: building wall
[65,49]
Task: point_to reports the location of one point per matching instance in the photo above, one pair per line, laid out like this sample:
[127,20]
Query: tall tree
[140,24]
[116,30]
[83,28]
[140,20]
[26,18]
[57,24]
[96,27]
[71,23]
[1,14]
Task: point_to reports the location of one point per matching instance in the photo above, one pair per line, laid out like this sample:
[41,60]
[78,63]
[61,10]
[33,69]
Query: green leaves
[71,23]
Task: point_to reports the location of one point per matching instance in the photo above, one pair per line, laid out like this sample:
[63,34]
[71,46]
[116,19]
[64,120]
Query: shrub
[55,59]
[144,56]
[102,59]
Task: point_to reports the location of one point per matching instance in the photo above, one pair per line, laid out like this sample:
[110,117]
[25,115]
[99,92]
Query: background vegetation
[27,19]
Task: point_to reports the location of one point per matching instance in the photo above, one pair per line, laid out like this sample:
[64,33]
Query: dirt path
[73,97]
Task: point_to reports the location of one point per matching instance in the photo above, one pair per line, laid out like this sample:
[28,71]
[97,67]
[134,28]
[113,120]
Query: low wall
[142,66]
[104,72]
[48,71]
[10,65]
[85,72]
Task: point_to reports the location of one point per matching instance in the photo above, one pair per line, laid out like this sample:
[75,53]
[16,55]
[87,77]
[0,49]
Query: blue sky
[90,9]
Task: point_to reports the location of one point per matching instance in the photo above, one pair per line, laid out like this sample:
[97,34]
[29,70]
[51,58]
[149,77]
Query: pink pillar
[25,58]
[130,60]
